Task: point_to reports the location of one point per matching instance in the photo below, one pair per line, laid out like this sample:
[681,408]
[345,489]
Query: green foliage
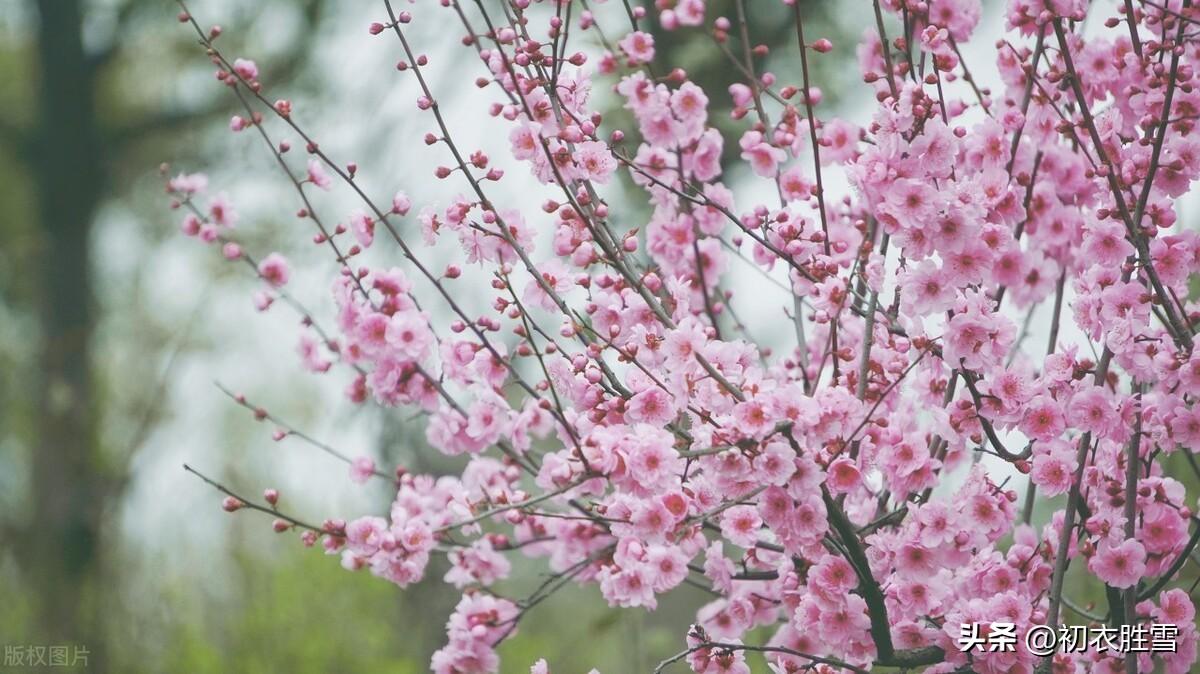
[300,613]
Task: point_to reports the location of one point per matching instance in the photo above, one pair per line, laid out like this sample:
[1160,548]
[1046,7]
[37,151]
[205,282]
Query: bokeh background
[115,330]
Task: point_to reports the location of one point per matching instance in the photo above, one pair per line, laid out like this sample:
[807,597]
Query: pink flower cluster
[891,472]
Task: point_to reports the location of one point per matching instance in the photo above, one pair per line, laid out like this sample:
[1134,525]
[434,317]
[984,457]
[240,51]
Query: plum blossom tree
[622,429]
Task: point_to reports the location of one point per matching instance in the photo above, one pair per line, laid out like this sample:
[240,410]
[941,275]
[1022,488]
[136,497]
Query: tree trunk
[63,544]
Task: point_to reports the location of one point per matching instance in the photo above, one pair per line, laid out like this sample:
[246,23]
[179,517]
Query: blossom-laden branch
[595,363]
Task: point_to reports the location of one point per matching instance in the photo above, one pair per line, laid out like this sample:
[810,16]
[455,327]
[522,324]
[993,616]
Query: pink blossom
[699,379]
[363,227]
[1119,565]
[1043,419]
[764,159]
[408,332]
[833,578]
[741,94]
[1185,426]
[245,69]
[652,406]
[843,476]
[221,211]
[1091,410]
[915,561]
[317,174]
[638,46]
[596,161]
[1053,471]
[188,183]
[926,290]
[914,202]
[401,203]
[274,270]
[690,12]
[1175,606]
[361,469]
[794,184]
[740,525]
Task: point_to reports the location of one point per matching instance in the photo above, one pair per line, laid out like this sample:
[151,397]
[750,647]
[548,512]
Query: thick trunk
[63,543]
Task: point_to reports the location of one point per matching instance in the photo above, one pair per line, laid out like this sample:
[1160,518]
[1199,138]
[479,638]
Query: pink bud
[401,204]
[823,46]
[245,69]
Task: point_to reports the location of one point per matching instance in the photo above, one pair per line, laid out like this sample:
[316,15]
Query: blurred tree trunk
[62,546]
[67,149]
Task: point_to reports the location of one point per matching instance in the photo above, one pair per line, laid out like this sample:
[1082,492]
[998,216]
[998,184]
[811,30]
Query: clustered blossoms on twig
[623,427]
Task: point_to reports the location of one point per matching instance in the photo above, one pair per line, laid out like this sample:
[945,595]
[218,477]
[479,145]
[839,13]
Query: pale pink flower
[652,406]
[401,204]
[361,469]
[794,184]
[246,69]
[926,290]
[1119,565]
[740,525]
[363,227]
[1052,472]
[843,476]
[764,158]
[638,46]
[317,175]
[595,161]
